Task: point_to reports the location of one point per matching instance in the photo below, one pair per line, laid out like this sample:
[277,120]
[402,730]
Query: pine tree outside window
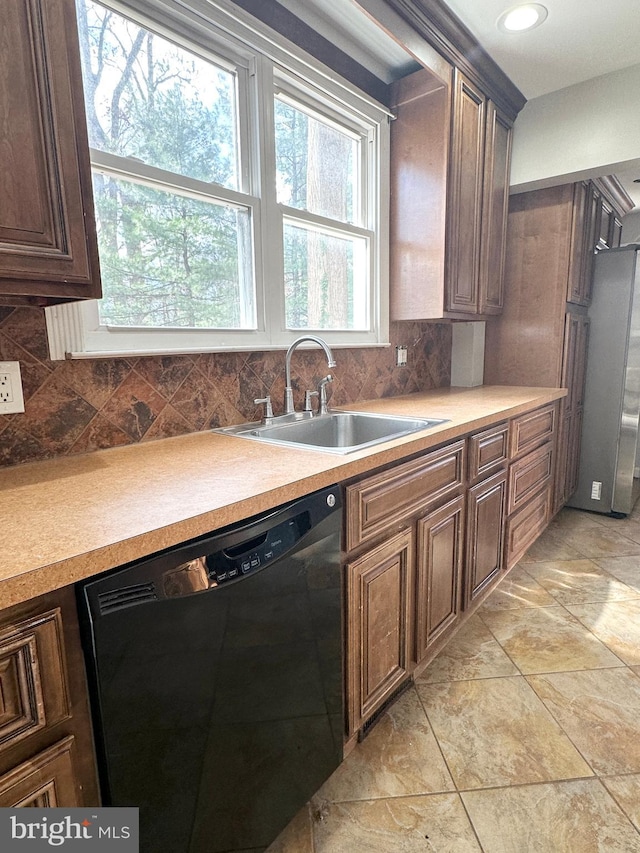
[237,199]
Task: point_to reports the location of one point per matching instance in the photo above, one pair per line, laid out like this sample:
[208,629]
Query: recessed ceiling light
[521,18]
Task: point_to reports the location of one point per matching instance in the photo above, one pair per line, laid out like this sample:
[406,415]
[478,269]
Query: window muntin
[264,67]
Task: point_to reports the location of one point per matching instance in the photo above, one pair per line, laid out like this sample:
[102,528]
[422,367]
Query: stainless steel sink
[335,432]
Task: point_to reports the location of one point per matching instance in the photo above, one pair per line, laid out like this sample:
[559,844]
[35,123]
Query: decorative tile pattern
[579,582]
[616,624]
[626,792]
[496,731]
[402,825]
[547,639]
[600,711]
[562,817]
[472,653]
[399,757]
[84,405]
[518,589]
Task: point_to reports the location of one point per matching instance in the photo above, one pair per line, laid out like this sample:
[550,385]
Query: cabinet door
[616,233]
[576,342]
[585,232]
[379,586]
[47,780]
[438,573]
[485,534]
[465,209]
[48,244]
[591,237]
[495,207]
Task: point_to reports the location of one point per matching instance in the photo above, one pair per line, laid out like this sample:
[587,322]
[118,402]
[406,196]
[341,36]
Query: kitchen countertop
[72,517]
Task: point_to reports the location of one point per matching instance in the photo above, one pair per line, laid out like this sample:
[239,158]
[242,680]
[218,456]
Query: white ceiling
[580,40]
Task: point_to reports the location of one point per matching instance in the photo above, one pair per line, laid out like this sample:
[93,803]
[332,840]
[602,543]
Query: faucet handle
[307,400]
[322,388]
[268,409]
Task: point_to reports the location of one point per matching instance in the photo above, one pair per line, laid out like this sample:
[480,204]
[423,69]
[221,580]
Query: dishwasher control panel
[256,553]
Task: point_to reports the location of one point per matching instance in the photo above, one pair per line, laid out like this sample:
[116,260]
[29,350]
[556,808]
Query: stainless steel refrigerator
[608,479]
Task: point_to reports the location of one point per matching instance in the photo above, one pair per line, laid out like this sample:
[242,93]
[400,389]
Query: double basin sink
[334,432]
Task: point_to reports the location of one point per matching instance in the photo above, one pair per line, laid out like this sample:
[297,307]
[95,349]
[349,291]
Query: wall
[587,130]
[84,405]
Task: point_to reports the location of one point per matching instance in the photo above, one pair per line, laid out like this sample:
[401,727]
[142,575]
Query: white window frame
[265,64]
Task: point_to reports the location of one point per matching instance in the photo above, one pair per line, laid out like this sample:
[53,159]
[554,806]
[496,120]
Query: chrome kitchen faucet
[289,408]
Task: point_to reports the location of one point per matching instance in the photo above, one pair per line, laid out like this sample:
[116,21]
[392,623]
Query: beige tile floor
[523,736]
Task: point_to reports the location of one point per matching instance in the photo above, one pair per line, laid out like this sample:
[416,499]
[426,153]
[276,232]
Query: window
[237,188]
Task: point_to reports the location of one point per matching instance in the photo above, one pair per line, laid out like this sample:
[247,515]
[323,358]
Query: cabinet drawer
[529,474]
[488,450]
[32,677]
[524,526]
[45,781]
[531,430]
[379,503]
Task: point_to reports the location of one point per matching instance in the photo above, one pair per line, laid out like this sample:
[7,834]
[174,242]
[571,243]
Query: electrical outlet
[11,399]
[401,356]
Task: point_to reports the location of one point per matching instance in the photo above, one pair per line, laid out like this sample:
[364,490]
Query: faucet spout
[288,391]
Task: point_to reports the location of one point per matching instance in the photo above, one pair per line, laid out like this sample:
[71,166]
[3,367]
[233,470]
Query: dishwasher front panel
[218,703]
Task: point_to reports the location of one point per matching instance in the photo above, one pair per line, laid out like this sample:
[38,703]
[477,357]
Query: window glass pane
[149,99]
[172,261]
[316,164]
[325,279]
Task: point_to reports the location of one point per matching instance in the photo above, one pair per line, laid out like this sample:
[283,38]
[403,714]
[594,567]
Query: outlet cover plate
[11,398]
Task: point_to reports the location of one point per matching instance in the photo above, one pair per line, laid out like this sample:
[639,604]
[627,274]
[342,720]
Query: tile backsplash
[83,405]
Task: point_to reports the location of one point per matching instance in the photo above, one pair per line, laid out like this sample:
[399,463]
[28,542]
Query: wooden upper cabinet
[585,234]
[48,249]
[450,159]
[495,209]
[420,136]
[465,208]
[478,203]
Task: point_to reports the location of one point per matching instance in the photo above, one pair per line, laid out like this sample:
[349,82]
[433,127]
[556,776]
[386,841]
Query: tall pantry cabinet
[541,339]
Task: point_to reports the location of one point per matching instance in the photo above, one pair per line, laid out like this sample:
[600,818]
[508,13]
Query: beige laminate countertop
[73,517]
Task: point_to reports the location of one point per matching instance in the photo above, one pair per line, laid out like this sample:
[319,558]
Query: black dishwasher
[215,672]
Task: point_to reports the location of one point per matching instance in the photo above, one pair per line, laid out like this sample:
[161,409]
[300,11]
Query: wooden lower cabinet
[486,507]
[46,743]
[47,780]
[466,511]
[379,590]
[440,555]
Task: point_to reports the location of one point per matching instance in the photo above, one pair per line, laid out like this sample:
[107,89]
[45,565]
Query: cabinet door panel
[529,474]
[379,588]
[439,573]
[45,781]
[463,232]
[33,689]
[378,503]
[47,228]
[485,534]
[495,206]
[488,450]
[531,430]
[525,525]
